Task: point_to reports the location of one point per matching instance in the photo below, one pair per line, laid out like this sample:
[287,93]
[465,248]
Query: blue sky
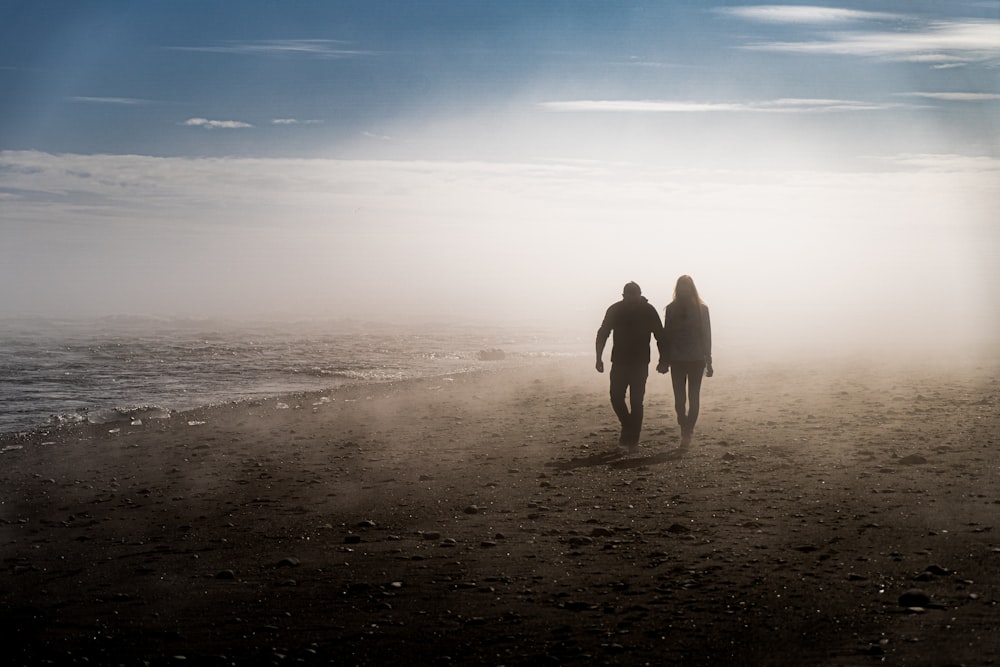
[326,79]
[247,157]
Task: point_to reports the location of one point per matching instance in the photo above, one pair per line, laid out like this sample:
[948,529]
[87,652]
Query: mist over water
[824,260]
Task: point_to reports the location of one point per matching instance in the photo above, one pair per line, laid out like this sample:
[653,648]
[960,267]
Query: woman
[689,352]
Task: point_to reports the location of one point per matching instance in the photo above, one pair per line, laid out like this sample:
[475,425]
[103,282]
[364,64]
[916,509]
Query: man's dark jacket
[632,323]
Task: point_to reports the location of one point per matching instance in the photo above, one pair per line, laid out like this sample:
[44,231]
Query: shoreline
[126,413]
[482,519]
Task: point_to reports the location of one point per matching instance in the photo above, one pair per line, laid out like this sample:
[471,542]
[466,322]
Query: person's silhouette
[688,351]
[632,320]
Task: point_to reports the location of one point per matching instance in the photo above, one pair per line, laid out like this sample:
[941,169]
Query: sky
[826,172]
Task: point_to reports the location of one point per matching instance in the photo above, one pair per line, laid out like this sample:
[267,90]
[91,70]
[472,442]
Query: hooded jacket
[632,324]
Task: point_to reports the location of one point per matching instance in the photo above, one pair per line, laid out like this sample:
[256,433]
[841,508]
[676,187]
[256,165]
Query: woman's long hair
[693,300]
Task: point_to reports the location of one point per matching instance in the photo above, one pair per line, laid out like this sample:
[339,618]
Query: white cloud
[804,14]
[943,42]
[785,105]
[215,124]
[294,121]
[956,97]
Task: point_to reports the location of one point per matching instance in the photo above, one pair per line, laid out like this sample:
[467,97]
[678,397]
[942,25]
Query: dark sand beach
[838,514]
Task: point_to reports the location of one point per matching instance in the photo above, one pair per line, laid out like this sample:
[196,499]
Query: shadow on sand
[615,460]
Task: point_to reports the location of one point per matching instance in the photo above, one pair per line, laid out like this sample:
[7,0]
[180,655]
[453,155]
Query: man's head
[631,292]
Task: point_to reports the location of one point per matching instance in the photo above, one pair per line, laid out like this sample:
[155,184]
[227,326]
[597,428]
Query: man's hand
[599,366]
[662,367]
[709,371]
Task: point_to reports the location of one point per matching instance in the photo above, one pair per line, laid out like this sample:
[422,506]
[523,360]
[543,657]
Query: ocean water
[100,371]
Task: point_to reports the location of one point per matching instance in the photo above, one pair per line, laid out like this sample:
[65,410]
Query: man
[632,320]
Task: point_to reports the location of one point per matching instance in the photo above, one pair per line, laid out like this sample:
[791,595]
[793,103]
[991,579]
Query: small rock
[225,574]
[352,538]
[914,597]
[601,532]
[367,523]
[291,561]
[432,535]
[471,509]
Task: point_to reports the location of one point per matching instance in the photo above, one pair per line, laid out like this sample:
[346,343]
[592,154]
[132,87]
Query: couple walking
[684,341]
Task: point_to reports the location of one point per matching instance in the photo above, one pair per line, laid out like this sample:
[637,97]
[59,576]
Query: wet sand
[836,514]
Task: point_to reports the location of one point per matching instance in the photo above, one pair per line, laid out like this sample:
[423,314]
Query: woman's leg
[695,374]
[678,377]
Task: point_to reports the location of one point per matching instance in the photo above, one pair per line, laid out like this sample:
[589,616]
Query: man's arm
[602,338]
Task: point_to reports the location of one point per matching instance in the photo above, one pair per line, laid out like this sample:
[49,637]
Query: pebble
[914,597]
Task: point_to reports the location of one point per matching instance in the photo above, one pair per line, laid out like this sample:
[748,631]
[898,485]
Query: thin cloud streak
[321,48]
[963,41]
[295,121]
[955,97]
[785,105]
[805,14]
[128,101]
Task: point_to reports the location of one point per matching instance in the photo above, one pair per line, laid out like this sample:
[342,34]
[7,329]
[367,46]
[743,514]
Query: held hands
[599,366]
[662,367]
[709,371]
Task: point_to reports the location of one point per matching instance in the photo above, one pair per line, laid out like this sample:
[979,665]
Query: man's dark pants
[631,377]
